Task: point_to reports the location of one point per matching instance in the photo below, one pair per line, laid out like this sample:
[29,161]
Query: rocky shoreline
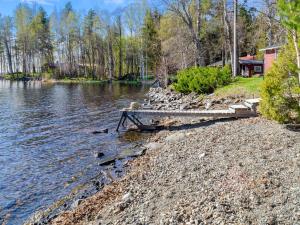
[232,172]
[110,169]
[166,99]
[206,172]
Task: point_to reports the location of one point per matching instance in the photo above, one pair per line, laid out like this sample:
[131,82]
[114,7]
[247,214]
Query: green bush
[202,80]
[280,89]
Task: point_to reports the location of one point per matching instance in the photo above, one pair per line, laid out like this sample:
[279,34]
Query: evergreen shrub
[280,90]
[202,80]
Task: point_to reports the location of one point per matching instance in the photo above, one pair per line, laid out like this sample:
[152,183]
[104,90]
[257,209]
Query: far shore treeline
[136,42]
[69,44]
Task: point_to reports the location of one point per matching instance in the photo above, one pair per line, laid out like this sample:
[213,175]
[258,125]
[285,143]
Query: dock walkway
[247,109]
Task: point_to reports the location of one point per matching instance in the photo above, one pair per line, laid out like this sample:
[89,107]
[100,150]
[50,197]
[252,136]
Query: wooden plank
[234,111]
[190,113]
[252,103]
[239,108]
[249,105]
[248,109]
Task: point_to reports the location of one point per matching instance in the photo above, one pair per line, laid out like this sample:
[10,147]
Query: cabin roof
[251,62]
[270,48]
[241,61]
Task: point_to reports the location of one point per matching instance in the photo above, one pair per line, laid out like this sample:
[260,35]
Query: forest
[139,41]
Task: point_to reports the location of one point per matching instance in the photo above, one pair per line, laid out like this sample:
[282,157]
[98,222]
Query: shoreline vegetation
[78,80]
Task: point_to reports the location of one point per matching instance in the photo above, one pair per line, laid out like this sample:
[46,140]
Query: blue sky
[7,7]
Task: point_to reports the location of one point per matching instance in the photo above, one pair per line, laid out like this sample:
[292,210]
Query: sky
[7,7]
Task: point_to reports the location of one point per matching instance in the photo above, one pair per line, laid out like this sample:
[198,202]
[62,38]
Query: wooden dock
[248,109]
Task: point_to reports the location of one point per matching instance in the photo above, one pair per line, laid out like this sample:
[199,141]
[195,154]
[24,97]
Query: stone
[99,154]
[202,155]
[103,131]
[176,137]
[134,106]
[127,197]
[169,122]
[153,146]
[107,161]
[76,203]
[130,153]
[184,106]
[227,101]
[208,105]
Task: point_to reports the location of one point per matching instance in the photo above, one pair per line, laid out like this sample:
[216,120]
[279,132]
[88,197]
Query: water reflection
[45,139]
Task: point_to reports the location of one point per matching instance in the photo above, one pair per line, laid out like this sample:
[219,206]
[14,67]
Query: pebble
[76,203]
[175,137]
[231,186]
[127,197]
[153,146]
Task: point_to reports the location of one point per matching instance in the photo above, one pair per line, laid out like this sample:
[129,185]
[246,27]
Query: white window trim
[258,69]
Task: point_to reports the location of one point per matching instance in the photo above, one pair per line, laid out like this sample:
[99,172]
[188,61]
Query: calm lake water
[46,140]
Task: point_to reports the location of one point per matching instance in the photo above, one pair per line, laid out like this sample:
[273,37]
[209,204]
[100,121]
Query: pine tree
[152,41]
[40,34]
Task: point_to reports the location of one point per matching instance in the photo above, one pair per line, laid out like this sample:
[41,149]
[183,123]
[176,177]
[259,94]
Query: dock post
[135,121]
[124,116]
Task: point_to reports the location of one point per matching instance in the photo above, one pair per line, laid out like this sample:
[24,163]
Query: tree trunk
[199,60]
[146,64]
[8,55]
[182,9]
[165,66]
[111,65]
[197,38]
[223,56]
[197,41]
[228,33]
[120,48]
[296,44]
[24,62]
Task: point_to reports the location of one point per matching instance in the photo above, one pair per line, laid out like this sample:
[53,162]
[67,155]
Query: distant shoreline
[77,81]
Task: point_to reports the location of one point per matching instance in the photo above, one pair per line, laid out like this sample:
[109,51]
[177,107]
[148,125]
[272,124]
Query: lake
[47,145]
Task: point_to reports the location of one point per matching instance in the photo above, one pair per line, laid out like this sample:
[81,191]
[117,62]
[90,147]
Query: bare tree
[185,10]
[6,36]
[270,12]
[119,25]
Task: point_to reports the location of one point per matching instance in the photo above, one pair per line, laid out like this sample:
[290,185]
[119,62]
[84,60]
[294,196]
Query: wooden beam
[248,109]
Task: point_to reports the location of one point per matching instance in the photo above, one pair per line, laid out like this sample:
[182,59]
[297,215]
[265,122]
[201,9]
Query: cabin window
[257,69]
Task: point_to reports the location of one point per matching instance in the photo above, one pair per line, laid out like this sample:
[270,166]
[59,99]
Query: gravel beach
[224,172]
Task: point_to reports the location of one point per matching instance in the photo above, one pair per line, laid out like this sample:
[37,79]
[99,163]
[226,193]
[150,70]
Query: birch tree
[6,24]
[290,15]
[23,18]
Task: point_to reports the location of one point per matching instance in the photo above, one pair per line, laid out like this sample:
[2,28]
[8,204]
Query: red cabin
[249,66]
[270,55]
